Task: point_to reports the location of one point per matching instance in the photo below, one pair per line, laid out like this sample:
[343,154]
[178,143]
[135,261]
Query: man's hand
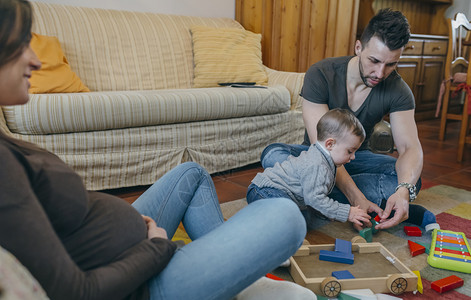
[152,230]
[399,202]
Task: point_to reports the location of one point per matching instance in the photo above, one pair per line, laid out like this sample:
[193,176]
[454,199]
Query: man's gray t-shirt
[325,83]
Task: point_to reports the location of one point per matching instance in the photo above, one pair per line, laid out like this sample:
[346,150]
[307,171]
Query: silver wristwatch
[412,190]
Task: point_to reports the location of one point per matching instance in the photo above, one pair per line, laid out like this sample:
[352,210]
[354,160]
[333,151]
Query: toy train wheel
[397,284]
[331,287]
[357,239]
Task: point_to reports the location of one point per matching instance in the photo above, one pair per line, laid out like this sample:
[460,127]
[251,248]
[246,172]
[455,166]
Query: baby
[309,178]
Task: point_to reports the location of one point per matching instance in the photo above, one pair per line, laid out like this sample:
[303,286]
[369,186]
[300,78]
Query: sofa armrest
[3,124]
[292,81]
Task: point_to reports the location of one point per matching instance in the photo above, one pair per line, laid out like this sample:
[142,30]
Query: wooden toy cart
[374,268]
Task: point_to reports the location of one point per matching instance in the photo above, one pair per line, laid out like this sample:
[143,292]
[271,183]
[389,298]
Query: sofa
[143,115]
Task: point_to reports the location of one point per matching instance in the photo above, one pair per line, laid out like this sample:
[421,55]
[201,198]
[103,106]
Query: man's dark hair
[15,29]
[390,26]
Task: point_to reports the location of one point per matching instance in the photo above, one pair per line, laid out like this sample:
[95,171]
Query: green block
[427,247]
[343,296]
[367,234]
[374,223]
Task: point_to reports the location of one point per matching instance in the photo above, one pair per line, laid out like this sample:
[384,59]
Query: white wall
[463,6]
[201,8]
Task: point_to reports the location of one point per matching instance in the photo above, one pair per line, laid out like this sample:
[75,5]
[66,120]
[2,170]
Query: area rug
[452,208]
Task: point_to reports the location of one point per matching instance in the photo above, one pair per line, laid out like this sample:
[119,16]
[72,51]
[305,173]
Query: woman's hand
[152,230]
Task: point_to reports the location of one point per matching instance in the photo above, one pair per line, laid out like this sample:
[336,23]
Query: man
[368,85]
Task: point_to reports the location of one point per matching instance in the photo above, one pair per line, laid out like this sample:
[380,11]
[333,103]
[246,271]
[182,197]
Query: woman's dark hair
[390,26]
[336,123]
[15,28]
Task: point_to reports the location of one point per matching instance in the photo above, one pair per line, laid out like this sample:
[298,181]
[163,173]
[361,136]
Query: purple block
[336,256]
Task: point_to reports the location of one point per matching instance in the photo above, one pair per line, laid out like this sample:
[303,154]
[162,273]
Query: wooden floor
[440,167]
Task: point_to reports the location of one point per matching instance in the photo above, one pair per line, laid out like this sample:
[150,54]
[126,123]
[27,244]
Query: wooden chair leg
[463,131]
[443,120]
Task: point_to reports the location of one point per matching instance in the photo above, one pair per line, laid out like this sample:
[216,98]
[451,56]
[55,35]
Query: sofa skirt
[139,156]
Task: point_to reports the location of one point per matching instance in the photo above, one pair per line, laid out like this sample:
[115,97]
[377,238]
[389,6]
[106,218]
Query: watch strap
[411,188]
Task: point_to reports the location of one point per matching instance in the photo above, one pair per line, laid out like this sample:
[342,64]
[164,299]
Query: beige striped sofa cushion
[114,50]
[78,112]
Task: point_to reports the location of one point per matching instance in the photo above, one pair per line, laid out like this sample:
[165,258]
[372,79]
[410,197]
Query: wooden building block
[427,246]
[334,256]
[344,274]
[420,286]
[415,249]
[373,226]
[343,296]
[367,234]
[447,284]
[412,231]
[343,246]
[274,277]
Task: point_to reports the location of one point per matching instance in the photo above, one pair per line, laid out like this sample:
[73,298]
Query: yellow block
[420,287]
[181,234]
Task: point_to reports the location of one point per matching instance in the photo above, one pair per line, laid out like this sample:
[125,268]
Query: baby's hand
[358,216]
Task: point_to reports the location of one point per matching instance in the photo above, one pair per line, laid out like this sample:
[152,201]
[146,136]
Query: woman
[89,245]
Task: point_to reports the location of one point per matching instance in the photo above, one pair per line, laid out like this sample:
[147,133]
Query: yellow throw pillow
[223,55]
[55,75]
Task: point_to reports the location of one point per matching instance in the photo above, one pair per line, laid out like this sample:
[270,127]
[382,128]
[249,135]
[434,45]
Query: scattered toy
[447,284]
[344,274]
[415,249]
[420,286]
[450,250]
[335,256]
[343,246]
[412,231]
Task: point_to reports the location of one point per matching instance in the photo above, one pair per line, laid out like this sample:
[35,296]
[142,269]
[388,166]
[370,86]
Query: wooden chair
[465,136]
[459,46]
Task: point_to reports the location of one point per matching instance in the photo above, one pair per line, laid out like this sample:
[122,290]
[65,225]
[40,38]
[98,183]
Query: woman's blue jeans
[223,257]
[374,174]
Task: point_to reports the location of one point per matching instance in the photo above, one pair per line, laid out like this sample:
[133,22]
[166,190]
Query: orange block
[415,249]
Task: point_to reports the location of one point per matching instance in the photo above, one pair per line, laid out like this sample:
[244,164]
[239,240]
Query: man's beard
[365,78]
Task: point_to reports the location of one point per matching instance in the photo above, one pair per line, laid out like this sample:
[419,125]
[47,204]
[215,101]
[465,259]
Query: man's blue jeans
[374,174]
[223,257]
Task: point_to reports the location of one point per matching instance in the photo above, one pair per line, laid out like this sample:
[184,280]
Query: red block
[274,277]
[446,284]
[415,249]
[377,218]
[412,231]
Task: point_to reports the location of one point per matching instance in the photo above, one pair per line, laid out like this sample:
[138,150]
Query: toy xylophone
[450,250]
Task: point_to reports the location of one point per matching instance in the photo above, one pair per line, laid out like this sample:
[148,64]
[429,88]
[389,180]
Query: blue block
[343,246]
[335,256]
[345,274]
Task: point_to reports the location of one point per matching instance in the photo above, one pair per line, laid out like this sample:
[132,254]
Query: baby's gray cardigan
[308,179]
